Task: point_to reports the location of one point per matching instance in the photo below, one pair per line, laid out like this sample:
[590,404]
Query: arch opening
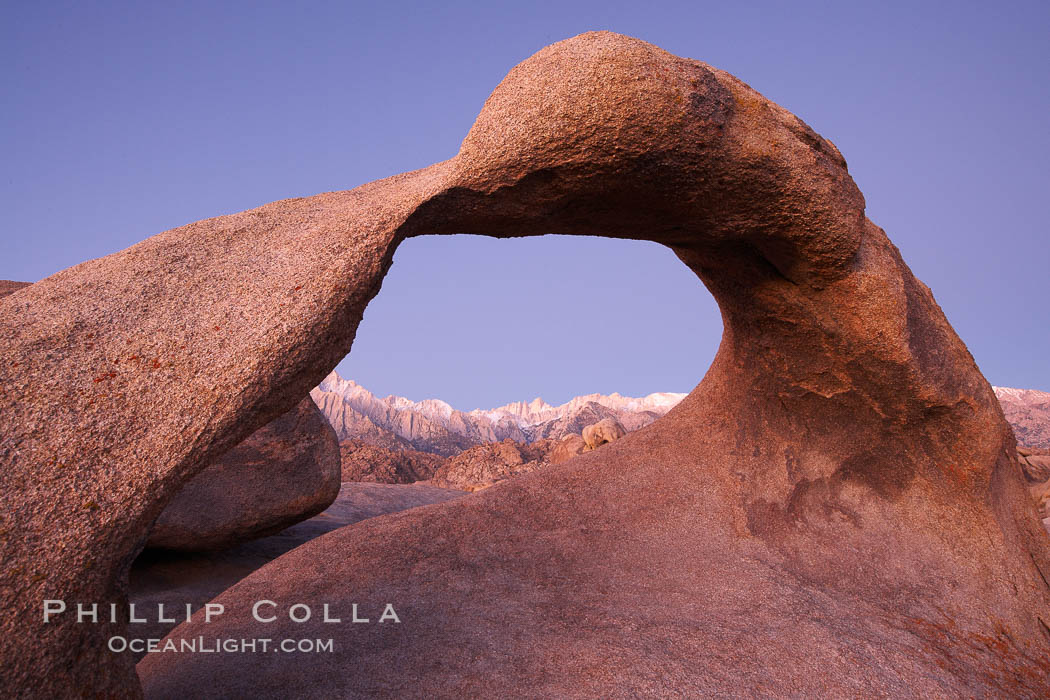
[480,322]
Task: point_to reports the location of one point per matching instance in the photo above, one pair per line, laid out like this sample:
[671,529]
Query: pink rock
[837,509]
[285,472]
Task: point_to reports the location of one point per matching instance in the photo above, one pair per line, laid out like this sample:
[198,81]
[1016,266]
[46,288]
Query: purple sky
[120,122]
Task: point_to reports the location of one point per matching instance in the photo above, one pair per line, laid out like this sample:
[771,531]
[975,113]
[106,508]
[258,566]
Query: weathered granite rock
[1041,495]
[363,461]
[567,448]
[285,472]
[837,509]
[484,465]
[1035,463]
[173,579]
[602,433]
[10,287]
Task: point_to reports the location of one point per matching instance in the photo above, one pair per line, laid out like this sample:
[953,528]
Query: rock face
[482,466]
[1035,463]
[366,462]
[394,423]
[566,448]
[351,425]
[174,579]
[434,426]
[10,287]
[837,509]
[285,472]
[1028,412]
[604,431]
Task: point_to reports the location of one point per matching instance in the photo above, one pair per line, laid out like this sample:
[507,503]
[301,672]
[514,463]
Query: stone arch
[842,428]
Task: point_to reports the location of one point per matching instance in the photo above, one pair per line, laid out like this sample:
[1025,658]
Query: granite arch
[842,453]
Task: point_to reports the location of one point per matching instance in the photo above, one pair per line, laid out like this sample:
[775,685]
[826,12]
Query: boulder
[602,432]
[567,448]
[836,509]
[285,472]
[1035,462]
[1041,495]
[1035,465]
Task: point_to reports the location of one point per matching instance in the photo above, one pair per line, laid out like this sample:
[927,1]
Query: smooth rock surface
[1035,463]
[177,578]
[285,472]
[602,433]
[567,448]
[837,509]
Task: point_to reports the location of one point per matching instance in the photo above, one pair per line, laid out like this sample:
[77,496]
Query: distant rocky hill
[434,426]
[1028,411]
[363,461]
[10,287]
[484,465]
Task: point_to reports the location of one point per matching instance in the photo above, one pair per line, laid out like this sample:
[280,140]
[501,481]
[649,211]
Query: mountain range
[432,425]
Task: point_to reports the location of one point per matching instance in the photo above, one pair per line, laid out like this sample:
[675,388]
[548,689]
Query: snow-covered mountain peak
[421,421]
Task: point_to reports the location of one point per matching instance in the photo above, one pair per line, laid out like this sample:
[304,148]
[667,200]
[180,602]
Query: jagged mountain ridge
[434,426]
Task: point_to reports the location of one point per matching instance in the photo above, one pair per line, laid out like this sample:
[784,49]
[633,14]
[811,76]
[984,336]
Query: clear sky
[121,120]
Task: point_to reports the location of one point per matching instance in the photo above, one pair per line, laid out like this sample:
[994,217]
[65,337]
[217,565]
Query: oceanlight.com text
[214,645]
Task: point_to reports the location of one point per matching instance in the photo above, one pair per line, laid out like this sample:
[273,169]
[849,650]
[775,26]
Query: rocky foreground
[176,579]
[837,509]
